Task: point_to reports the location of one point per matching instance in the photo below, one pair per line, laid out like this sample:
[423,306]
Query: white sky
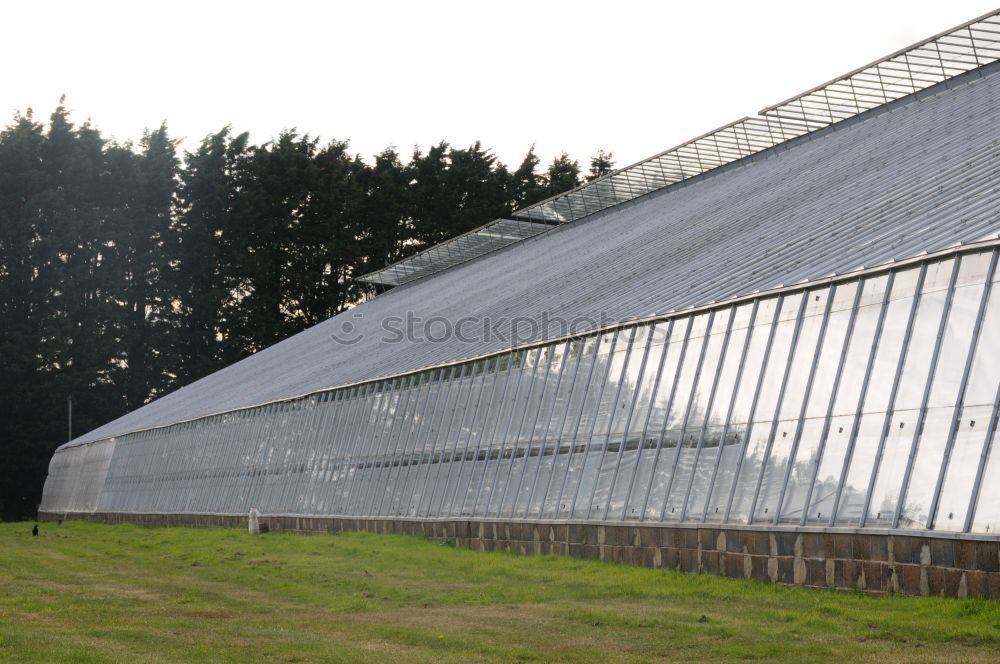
[633,77]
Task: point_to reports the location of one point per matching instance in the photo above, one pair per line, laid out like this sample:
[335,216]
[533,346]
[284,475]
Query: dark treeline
[128,270]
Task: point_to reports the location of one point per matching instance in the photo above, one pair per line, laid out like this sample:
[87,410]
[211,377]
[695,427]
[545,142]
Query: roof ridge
[901,74]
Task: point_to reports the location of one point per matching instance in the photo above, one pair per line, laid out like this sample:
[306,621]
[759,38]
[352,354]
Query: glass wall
[865,402]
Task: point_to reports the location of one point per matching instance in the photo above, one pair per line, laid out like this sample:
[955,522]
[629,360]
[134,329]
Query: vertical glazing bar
[413,455]
[435,436]
[400,450]
[666,413]
[587,384]
[520,359]
[894,390]
[429,441]
[753,406]
[981,469]
[729,409]
[641,444]
[821,337]
[356,499]
[614,412]
[547,437]
[593,422]
[455,429]
[323,482]
[723,352]
[525,417]
[915,443]
[574,385]
[628,422]
[471,418]
[856,424]
[386,450]
[828,418]
[543,388]
[777,407]
[687,413]
[563,369]
[963,385]
[345,439]
[301,441]
[445,433]
[338,467]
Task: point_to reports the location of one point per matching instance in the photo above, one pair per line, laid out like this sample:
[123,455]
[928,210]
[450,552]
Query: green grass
[93,593]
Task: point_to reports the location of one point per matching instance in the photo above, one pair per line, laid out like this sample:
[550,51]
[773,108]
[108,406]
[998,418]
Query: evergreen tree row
[129,270]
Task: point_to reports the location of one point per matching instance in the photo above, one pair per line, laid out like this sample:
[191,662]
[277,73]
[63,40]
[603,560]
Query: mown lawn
[94,593]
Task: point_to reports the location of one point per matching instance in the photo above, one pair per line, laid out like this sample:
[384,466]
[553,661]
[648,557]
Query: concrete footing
[870,562]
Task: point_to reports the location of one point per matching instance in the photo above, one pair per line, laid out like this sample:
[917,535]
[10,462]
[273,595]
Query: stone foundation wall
[871,562]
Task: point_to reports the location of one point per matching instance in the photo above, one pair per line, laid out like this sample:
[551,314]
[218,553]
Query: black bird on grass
[34,531]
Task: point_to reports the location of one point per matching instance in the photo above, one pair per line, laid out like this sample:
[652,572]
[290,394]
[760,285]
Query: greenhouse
[789,324]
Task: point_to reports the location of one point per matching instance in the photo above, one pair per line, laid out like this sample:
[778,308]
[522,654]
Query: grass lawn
[86,592]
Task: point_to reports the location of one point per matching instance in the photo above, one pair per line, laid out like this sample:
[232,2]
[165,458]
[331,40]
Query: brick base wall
[871,562]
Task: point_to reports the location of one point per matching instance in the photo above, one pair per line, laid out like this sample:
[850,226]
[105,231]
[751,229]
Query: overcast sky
[632,77]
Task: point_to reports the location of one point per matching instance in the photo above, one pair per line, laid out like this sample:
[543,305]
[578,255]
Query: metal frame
[909,70]
[369,449]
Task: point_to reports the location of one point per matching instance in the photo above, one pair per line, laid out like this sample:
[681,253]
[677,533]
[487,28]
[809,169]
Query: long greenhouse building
[772,352]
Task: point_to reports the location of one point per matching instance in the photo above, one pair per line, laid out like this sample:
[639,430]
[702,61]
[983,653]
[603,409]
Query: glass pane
[703,471]
[828,365]
[984,376]
[730,454]
[831,467]
[926,467]
[800,478]
[963,464]
[805,354]
[753,461]
[774,472]
[701,402]
[752,366]
[913,382]
[859,472]
[955,346]
[890,345]
[987,517]
[860,349]
[892,467]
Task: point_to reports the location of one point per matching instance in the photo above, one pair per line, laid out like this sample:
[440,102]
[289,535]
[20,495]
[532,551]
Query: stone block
[988,556]
[758,543]
[993,585]
[650,536]
[671,537]
[785,543]
[976,584]
[875,576]
[688,560]
[965,553]
[906,549]
[710,562]
[953,580]
[734,541]
[816,572]
[935,580]
[943,552]
[671,557]
[734,565]
[816,545]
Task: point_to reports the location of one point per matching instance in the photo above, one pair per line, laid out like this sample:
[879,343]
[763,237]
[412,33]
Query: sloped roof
[916,67]
[918,175]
